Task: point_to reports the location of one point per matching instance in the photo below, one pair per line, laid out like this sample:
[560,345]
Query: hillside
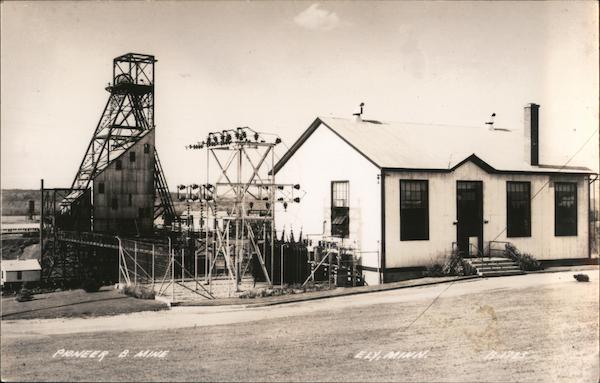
[16,201]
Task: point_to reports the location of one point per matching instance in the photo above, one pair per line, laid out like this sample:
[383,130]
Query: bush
[24,295]
[91,285]
[452,265]
[139,292]
[525,261]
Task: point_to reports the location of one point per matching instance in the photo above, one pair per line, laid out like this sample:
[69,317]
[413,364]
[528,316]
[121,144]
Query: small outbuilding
[20,271]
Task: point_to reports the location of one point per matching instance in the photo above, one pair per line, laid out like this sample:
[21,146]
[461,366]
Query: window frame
[101,188]
[19,275]
[118,164]
[340,229]
[132,156]
[560,229]
[424,235]
[511,233]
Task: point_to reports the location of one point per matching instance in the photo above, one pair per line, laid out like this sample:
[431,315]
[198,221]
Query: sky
[276,66]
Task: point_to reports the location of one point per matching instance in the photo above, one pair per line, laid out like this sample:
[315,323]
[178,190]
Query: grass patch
[139,292]
[288,290]
[77,303]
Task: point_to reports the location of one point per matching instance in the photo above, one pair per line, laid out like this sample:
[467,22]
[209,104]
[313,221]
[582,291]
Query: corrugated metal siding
[135,179]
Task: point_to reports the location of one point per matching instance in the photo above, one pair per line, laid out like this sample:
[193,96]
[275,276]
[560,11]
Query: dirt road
[524,328]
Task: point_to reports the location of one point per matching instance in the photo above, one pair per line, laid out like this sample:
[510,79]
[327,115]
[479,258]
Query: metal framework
[127,117]
[238,207]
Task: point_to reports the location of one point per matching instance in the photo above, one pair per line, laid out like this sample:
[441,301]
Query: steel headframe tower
[127,117]
[240,204]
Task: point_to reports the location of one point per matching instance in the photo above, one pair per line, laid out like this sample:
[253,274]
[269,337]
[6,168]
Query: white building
[405,194]
[20,270]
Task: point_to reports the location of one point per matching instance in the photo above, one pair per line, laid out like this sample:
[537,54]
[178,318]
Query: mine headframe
[127,117]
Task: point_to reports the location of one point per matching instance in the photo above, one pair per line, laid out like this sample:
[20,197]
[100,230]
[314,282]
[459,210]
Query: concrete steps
[494,266]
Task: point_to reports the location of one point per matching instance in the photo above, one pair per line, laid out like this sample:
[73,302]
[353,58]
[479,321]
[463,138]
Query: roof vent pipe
[358,115]
[531,131]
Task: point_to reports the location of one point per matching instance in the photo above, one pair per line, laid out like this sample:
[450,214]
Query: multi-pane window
[101,188]
[19,275]
[131,156]
[565,208]
[339,194]
[518,209]
[340,211]
[414,210]
[118,165]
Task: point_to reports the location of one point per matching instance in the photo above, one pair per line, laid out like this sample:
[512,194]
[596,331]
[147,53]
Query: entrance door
[469,214]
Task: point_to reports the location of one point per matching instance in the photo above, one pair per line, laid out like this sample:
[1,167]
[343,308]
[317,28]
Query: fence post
[182,265]
[120,266]
[152,265]
[135,263]
[329,266]
[282,244]
[172,254]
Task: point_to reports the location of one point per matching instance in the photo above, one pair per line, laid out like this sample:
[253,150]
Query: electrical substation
[117,222]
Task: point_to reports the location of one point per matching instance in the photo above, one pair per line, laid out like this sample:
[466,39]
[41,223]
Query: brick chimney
[532,130]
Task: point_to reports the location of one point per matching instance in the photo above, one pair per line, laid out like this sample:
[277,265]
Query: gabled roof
[20,265]
[410,146]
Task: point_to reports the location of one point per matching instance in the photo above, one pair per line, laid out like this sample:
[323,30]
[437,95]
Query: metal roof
[394,145]
[20,265]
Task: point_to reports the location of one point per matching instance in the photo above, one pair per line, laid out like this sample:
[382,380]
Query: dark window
[340,210]
[115,204]
[565,208]
[130,201]
[101,187]
[518,209]
[131,156]
[19,275]
[118,165]
[141,212]
[146,148]
[414,210]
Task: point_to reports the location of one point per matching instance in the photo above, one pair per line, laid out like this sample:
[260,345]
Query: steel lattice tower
[127,117]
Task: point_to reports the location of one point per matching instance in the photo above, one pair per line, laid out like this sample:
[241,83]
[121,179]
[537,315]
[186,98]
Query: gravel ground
[540,327]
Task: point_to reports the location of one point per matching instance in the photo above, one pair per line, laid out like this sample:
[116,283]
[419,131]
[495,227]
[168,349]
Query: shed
[20,270]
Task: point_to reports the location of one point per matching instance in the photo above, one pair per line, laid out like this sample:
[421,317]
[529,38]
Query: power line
[547,182]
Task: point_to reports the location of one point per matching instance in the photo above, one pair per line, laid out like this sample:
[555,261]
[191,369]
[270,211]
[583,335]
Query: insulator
[255,136]
[285,205]
[278,140]
[280,199]
[267,205]
[297,187]
[251,204]
[280,187]
[182,198]
[297,199]
[194,186]
[181,187]
[265,198]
